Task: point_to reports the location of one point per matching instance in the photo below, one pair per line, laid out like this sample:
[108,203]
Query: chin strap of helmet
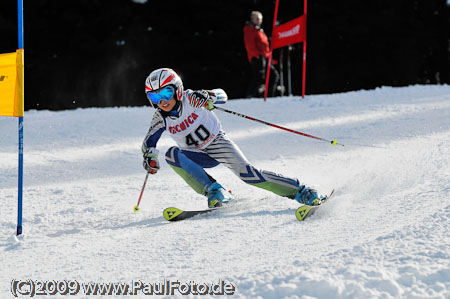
[176,109]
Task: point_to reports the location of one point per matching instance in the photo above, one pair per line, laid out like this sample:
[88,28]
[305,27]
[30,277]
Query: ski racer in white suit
[202,143]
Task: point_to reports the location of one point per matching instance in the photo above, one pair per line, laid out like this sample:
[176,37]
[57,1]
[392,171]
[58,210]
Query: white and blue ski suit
[203,144]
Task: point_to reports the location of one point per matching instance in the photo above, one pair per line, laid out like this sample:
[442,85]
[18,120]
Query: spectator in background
[257,46]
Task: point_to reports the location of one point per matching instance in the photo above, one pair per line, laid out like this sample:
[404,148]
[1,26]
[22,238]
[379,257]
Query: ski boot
[217,195]
[308,196]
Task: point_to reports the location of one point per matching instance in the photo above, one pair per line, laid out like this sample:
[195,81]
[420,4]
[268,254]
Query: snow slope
[385,234]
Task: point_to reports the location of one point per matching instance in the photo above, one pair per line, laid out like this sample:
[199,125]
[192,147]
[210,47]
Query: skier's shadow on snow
[150,222]
[160,221]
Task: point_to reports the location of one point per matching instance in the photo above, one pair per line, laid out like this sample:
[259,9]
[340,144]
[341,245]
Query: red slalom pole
[304,55]
[333,142]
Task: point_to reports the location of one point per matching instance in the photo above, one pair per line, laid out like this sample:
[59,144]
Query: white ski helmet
[161,78]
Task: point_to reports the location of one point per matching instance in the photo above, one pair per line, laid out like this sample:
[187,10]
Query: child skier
[203,144]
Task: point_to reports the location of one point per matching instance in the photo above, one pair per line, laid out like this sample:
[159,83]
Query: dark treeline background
[86,53]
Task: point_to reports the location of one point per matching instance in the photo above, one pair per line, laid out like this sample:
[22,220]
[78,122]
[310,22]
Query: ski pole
[333,142]
[136,207]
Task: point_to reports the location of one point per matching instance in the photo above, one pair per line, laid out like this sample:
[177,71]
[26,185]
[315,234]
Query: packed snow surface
[385,233]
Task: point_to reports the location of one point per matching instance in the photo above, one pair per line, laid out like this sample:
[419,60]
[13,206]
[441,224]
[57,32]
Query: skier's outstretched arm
[149,151]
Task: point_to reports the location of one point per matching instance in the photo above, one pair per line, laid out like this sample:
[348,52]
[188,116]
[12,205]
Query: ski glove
[151,163]
[207,98]
[216,96]
[199,98]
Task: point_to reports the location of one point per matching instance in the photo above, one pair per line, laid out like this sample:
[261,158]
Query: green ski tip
[302,212]
[171,213]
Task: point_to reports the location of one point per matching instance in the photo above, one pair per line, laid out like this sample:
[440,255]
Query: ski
[174,214]
[305,211]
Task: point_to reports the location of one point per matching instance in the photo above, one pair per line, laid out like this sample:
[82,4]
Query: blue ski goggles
[164,94]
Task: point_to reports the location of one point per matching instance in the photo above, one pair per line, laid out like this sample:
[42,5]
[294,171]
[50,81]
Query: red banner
[289,33]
